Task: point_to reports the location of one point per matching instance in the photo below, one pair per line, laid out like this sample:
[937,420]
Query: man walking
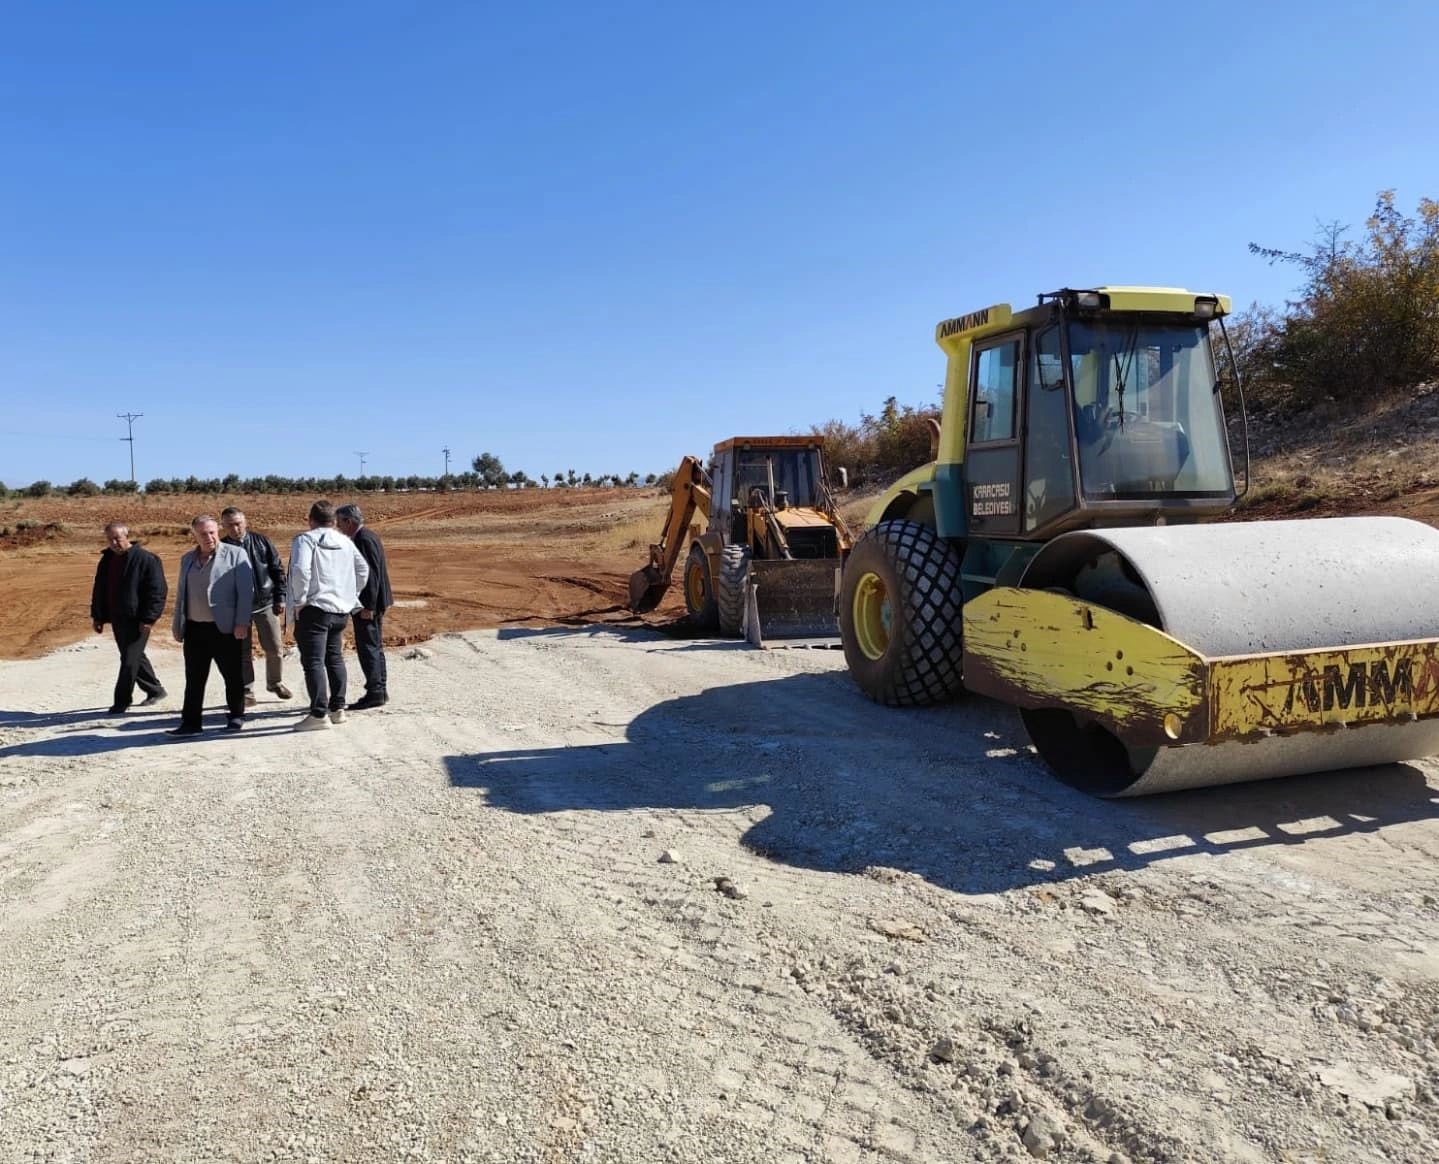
[213,601]
[375,599]
[327,574]
[129,594]
[269,602]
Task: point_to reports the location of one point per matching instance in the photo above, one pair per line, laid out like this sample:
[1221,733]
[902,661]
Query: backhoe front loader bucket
[788,601]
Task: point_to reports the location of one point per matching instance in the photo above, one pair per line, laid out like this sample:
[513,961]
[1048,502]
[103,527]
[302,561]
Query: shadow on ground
[48,719]
[953,794]
[133,730]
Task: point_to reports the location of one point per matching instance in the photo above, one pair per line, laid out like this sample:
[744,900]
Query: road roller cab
[1051,556]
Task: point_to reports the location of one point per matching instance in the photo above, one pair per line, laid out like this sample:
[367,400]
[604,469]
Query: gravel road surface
[605,896]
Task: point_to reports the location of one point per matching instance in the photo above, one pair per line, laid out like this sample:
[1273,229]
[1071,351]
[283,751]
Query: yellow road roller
[1061,553]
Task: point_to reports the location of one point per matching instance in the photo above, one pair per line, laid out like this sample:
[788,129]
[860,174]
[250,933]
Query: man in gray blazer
[212,621]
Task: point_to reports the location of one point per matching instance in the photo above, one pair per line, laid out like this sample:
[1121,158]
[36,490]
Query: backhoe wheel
[730,589]
[899,615]
[700,591]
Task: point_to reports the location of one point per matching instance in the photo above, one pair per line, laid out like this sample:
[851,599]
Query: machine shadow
[953,794]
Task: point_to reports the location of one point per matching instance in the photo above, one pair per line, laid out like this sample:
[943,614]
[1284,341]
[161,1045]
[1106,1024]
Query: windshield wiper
[1128,350]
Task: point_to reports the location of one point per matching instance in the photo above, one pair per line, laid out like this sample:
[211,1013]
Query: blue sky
[601,236]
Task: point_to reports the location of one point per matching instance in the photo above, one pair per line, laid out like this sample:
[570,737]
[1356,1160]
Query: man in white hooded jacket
[327,574]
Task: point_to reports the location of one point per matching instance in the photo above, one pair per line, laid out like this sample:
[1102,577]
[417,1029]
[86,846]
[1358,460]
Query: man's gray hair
[351,513]
[231,511]
[118,525]
[201,519]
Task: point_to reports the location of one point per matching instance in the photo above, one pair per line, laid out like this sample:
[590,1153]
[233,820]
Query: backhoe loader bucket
[788,601]
[647,587]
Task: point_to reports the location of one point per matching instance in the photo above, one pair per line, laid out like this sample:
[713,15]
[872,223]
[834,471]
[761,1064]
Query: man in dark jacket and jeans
[269,602]
[375,599]
[129,594]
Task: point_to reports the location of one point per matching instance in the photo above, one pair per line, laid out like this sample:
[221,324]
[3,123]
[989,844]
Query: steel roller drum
[1246,588]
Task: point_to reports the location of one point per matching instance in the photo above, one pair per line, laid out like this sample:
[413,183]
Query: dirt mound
[29,532]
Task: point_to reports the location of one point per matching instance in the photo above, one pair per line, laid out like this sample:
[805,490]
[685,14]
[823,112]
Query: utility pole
[362,457]
[446,451]
[130,418]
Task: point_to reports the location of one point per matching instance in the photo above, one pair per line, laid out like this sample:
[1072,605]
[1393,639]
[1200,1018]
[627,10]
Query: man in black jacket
[129,594]
[375,599]
[269,603]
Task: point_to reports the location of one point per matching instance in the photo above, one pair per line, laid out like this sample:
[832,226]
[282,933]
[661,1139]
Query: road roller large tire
[730,590]
[700,591]
[899,615]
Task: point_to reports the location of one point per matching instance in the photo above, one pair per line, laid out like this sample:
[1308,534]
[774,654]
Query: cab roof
[808,441]
[1114,298]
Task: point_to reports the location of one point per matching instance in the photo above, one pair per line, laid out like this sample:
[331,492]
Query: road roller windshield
[1147,417]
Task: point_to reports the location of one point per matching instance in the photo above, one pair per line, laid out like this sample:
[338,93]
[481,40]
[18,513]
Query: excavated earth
[598,893]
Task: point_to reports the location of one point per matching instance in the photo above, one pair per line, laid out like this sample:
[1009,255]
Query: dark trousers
[134,663]
[370,646]
[319,635]
[206,644]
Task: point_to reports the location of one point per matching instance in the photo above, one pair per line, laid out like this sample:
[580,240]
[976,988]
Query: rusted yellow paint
[1391,682]
[1038,649]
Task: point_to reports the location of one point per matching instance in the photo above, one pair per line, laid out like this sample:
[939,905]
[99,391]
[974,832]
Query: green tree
[1366,321]
[38,489]
[490,469]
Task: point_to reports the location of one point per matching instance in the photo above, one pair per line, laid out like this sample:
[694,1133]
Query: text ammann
[1366,684]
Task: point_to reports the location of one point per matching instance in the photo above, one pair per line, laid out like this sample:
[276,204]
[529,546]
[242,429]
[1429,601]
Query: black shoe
[183,730]
[234,723]
[119,709]
[367,702]
[150,700]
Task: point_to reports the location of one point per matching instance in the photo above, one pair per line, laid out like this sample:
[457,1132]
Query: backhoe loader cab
[772,492]
[766,565]
[1052,555]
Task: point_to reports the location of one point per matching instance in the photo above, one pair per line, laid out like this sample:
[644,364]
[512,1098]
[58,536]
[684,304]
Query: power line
[130,418]
[446,451]
[362,457]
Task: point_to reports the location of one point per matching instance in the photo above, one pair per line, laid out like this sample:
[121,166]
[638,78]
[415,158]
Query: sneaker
[312,723]
[183,730]
[249,699]
[151,700]
[338,715]
[281,691]
[234,723]
[366,702]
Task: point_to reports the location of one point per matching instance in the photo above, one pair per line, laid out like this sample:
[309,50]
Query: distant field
[458,560]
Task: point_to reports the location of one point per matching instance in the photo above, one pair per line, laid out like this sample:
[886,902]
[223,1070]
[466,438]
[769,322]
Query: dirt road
[447,930]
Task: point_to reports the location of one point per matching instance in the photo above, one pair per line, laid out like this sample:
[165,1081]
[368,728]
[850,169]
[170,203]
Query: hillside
[1383,460]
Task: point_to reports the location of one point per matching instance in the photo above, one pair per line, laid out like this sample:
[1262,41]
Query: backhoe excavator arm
[689,491]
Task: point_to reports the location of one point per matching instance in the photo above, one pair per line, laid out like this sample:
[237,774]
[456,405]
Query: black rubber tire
[705,616]
[922,662]
[730,589]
